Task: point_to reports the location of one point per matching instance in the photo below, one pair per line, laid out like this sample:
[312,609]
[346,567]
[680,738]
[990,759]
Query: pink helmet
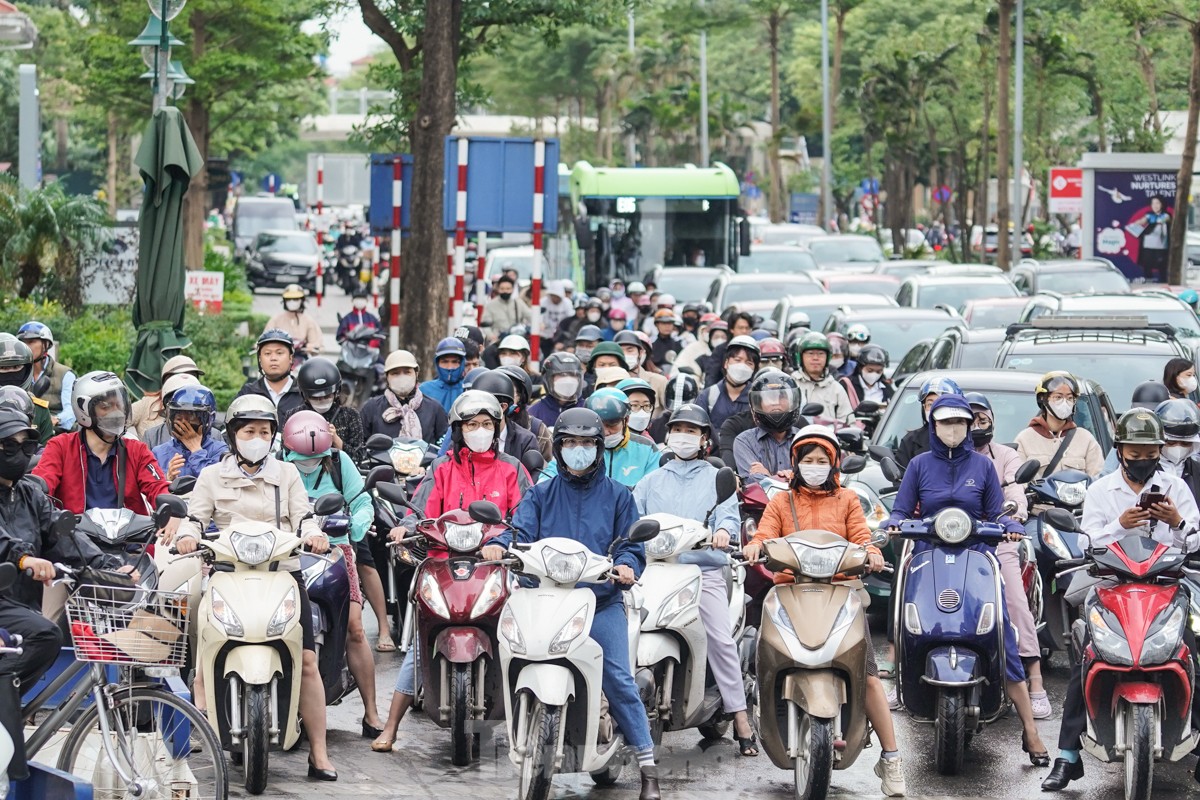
[306,433]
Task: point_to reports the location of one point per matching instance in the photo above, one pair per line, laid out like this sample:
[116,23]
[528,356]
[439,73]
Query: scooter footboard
[951,666]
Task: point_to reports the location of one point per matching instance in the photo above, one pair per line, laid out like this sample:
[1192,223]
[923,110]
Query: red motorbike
[458,602]
[753,499]
[1138,672]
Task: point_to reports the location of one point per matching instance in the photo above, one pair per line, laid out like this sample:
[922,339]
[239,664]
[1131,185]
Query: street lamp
[17,31]
[156,42]
[166,10]
[178,80]
[150,39]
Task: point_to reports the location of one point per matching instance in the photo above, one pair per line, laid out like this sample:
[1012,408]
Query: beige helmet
[400,358]
[177,382]
[293,291]
[180,364]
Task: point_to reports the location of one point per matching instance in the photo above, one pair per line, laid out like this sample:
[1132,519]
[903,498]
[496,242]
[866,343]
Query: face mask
[292,305]
[13,467]
[505,295]
[308,465]
[814,475]
[1188,384]
[510,361]
[871,378]
[1062,409]
[613,440]
[1140,470]
[565,388]
[452,376]
[593,316]
[113,424]
[739,373]
[579,458]
[715,341]
[479,440]
[618,294]
[837,362]
[1176,454]
[684,445]
[700,260]
[982,436]
[402,385]
[11,378]
[360,303]
[951,435]
[631,360]
[639,420]
[855,349]
[584,353]
[321,406]
[253,450]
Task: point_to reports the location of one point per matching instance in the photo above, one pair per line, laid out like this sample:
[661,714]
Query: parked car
[868,283]
[847,252]
[764,232]
[928,291]
[776,258]
[961,347]
[818,308]
[736,289]
[686,284]
[993,312]
[280,257]
[1069,276]
[1155,306]
[894,329]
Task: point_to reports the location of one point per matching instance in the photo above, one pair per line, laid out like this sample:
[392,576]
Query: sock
[645,758]
[1070,756]
[890,754]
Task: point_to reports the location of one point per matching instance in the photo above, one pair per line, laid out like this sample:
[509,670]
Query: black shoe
[1063,773]
[320,774]
[650,784]
[369,732]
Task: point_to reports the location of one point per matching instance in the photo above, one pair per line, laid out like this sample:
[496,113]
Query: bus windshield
[631,236]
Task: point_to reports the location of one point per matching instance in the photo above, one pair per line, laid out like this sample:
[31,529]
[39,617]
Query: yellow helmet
[293,291]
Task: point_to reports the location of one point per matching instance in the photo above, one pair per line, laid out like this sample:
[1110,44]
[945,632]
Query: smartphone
[1150,498]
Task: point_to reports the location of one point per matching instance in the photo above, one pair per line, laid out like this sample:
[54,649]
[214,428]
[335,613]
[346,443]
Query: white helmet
[93,388]
[514,342]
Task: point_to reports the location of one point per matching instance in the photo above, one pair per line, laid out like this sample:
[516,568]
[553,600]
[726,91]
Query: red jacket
[63,466]
[452,484]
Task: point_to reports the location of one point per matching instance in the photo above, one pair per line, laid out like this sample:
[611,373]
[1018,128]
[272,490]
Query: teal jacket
[626,464]
[362,510]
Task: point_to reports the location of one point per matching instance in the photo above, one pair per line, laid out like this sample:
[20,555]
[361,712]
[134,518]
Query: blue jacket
[627,464]
[593,510]
[688,489]
[548,408]
[210,452]
[442,393]
[944,478]
[362,510]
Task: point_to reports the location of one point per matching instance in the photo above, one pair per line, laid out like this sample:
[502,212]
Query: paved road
[267,301]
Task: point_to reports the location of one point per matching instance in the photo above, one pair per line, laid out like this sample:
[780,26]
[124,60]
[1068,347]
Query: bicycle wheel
[162,742]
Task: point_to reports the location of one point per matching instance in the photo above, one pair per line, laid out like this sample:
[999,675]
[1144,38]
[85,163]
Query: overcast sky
[352,40]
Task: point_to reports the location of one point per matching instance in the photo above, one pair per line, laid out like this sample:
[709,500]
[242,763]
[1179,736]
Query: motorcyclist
[772,354]
[586,339]
[686,487]
[39,339]
[690,316]
[764,451]
[161,433]
[519,410]
[952,475]
[816,376]
[505,309]
[1052,437]
[149,410]
[514,351]
[562,375]
[320,384]
[636,348]
[641,405]
[358,317]
[475,469]
[681,389]
[1008,554]
[1148,394]
[858,336]
[275,350]
[1111,511]
[514,440]
[16,369]
[730,396]
[868,383]
[349,237]
[839,364]
[1179,376]
[192,446]
[450,358]
[250,484]
[817,500]
[665,344]
[628,456]
[304,330]
[695,357]
[308,444]
[552,508]
[916,441]
[1181,431]
[617,320]
[402,410]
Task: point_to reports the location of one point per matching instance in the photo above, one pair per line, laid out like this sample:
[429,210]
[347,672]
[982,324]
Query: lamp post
[156,42]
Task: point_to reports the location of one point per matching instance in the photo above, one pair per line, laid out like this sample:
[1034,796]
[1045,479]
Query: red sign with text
[1066,190]
[205,290]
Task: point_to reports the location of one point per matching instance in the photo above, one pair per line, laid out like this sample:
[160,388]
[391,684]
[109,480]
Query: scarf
[410,424]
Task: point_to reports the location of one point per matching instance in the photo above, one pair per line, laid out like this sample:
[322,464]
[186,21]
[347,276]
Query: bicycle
[134,739]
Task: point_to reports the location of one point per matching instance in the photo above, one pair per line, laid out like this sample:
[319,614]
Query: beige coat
[301,327]
[1082,454]
[224,493]
[146,413]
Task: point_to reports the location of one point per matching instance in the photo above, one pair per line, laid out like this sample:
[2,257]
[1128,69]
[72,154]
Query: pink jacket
[1006,460]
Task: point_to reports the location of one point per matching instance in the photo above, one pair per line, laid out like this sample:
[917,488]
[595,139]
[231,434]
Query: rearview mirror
[666,457]
[852,465]
[381,474]
[744,237]
[533,462]
[168,507]
[727,484]
[486,512]
[879,537]
[392,492]
[716,462]
[813,410]
[1027,472]
[868,407]
[378,442]
[64,524]
[327,504]
[879,452]
[1061,519]
[643,530]
[182,485]
[891,470]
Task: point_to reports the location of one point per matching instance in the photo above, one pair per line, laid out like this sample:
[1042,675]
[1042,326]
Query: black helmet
[779,391]
[13,422]
[498,384]
[872,355]
[521,381]
[318,377]
[1180,419]
[682,389]
[693,415]
[15,353]
[18,398]
[277,336]
[575,423]
[1148,394]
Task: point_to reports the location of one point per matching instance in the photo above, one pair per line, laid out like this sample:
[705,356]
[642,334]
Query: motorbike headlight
[511,631]
[223,613]
[1053,540]
[493,590]
[679,601]
[663,544]
[952,526]
[818,562]
[1164,642]
[464,538]
[252,549]
[568,633]
[779,616]
[1110,644]
[432,595]
[564,567]
[1071,494]
[283,615]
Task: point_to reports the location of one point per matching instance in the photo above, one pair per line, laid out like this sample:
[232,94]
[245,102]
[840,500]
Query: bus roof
[673,182]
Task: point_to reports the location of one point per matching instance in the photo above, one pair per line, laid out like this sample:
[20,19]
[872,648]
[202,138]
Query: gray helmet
[93,387]
[471,403]
[15,353]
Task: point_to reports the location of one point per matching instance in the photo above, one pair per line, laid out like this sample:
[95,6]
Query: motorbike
[1063,490]
[812,659]
[251,638]
[349,264]
[358,363]
[457,599]
[672,652]
[950,631]
[328,584]
[557,720]
[121,533]
[1138,674]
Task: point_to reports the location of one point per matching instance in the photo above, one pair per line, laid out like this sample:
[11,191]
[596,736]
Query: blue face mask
[579,458]
[452,376]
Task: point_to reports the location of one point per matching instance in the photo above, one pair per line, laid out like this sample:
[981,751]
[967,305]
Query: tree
[1183,182]
[1004,47]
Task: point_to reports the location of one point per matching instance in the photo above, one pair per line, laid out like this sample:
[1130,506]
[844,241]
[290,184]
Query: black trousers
[42,641]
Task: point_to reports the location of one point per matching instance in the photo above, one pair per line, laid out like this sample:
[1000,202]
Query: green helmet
[814,341]
[611,405]
[1139,426]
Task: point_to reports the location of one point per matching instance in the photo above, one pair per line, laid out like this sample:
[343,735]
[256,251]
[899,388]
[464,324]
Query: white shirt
[874,393]
[1110,497]
[276,396]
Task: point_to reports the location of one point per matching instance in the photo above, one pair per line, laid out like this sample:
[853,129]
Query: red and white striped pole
[320,232]
[394,256]
[460,234]
[539,203]
[375,271]
[480,271]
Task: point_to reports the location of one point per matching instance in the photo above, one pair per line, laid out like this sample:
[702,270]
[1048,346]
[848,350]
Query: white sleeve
[1101,519]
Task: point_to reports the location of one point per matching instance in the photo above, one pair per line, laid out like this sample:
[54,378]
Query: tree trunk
[61,141]
[983,175]
[1146,62]
[1003,135]
[776,193]
[424,305]
[110,172]
[195,202]
[1183,183]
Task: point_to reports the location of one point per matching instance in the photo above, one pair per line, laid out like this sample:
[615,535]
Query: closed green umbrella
[167,159]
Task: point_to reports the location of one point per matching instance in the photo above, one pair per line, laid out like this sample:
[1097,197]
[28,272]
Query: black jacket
[291,400]
[912,445]
[518,441]
[429,413]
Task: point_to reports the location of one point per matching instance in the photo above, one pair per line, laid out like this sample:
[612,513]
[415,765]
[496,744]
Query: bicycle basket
[147,629]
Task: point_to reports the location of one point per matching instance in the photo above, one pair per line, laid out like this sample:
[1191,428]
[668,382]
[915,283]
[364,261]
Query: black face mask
[13,378]
[1140,470]
[13,466]
[982,436]
[504,295]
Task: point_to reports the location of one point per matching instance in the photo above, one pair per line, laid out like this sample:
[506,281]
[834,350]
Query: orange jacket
[837,512]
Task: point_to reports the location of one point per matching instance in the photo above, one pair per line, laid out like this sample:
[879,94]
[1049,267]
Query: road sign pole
[480,270]
[394,256]
[460,234]
[539,205]
[320,235]
[375,271]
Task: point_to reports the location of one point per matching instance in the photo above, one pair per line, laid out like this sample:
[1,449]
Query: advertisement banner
[205,290]
[1066,190]
[1133,212]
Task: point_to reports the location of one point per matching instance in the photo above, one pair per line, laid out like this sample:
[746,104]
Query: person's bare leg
[879,715]
[1033,668]
[741,725]
[400,704]
[199,698]
[362,665]
[312,710]
[372,587]
[1018,692]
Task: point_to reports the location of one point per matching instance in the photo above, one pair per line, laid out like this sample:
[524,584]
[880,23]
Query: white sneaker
[1041,705]
[890,771]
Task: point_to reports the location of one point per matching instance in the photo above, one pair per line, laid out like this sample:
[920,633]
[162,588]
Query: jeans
[42,641]
[406,681]
[610,629]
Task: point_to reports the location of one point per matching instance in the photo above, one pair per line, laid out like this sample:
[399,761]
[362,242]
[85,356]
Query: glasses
[12,446]
[640,405]
[1062,396]
[477,424]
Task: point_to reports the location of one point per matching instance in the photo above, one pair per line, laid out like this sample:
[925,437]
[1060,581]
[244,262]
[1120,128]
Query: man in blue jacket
[191,446]
[582,503]
[628,457]
[450,356]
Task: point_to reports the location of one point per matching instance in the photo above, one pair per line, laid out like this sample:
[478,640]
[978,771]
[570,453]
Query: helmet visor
[775,400]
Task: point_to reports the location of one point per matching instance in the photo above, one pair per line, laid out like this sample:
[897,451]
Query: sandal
[748,746]
[385,645]
[1041,759]
[887,670]
[382,745]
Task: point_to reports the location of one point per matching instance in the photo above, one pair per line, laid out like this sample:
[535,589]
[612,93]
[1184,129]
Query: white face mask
[716,340]
[510,361]
[253,450]
[479,440]
[566,387]
[632,359]
[292,305]
[308,465]
[684,445]
[321,406]
[855,349]
[402,385]
[1188,384]
[871,378]
[1177,454]
[360,303]
[1062,409]
[837,362]
[952,435]
[639,420]
[613,440]
[738,373]
[814,475]
[593,316]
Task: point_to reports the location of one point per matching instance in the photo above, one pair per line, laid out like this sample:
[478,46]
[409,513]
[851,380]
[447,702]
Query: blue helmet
[38,330]
[611,405]
[450,347]
[978,399]
[938,386]
[195,399]
[1188,296]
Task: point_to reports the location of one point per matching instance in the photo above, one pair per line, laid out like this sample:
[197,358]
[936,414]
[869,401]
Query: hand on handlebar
[493,552]
[875,562]
[186,545]
[624,575]
[720,539]
[752,551]
[39,569]
[317,544]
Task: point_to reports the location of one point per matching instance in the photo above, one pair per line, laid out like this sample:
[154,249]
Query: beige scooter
[812,655]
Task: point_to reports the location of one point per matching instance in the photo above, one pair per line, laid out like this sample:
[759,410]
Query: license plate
[283,278]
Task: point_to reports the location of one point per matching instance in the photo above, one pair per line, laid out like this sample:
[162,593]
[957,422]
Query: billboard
[1132,215]
[1066,190]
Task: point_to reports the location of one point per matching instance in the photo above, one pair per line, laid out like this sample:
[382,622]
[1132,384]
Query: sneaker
[890,771]
[893,699]
[1041,705]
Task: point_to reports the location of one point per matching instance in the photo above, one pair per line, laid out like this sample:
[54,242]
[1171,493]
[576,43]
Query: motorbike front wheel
[814,766]
[537,767]
[256,743]
[950,731]
[461,692]
[1139,758]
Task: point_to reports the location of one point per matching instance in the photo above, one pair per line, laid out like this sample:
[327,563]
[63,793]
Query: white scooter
[12,647]
[251,640]
[557,719]
[672,655]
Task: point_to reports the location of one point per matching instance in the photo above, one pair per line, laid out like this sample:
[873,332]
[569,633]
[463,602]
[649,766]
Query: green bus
[628,221]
